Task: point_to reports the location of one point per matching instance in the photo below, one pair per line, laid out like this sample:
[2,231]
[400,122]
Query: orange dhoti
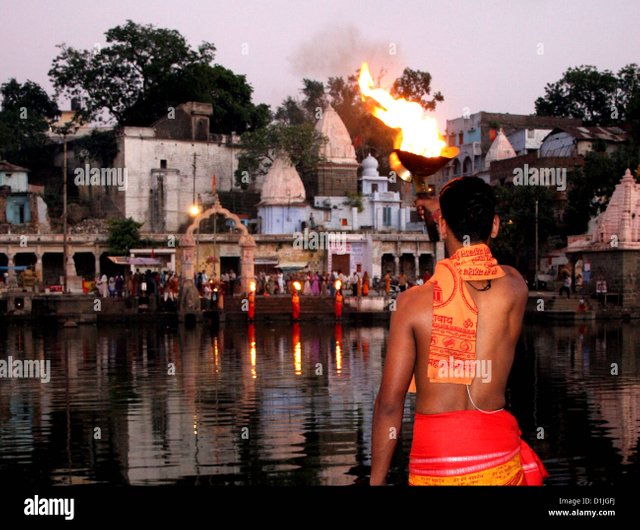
[471,448]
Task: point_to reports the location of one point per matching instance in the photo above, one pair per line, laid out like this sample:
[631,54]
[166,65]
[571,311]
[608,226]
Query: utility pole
[194,178]
[536,267]
[65,245]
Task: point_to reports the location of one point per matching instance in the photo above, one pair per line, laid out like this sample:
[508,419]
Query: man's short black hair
[468,205]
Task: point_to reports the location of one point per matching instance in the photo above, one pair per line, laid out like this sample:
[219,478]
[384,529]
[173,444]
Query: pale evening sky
[482,55]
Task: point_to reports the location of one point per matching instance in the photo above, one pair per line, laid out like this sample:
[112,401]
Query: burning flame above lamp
[419,149]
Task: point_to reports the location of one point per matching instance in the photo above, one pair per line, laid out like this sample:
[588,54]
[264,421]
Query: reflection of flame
[216,354]
[338,334]
[297,286]
[338,285]
[417,132]
[297,350]
[252,353]
[252,350]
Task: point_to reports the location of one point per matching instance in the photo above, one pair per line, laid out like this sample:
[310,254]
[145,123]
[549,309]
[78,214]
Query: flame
[417,132]
[297,286]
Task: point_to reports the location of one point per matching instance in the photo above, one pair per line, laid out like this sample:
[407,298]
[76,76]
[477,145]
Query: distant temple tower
[282,207]
[339,173]
[610,250]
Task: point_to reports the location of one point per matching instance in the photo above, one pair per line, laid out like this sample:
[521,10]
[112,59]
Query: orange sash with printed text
[452,352]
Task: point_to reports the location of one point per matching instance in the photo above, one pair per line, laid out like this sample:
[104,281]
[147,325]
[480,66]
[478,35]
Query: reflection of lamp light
[252,350]
[194,210]
[252,354]
[297,358]
[338,337]
[252,286]
[297,350]
[216,354]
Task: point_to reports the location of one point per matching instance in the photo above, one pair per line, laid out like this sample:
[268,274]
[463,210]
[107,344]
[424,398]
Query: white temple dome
[282,184]
[370,167]
[338,148]
[500,149]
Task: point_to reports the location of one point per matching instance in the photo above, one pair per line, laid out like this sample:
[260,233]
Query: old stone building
[338,174]
[610,251]
[171,165]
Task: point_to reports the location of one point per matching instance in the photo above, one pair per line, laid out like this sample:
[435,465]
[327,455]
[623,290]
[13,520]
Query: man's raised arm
[398,370]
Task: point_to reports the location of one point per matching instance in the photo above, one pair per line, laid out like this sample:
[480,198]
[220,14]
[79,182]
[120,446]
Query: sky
[491,55]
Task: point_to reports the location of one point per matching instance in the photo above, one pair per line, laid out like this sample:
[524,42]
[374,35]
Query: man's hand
[427,205]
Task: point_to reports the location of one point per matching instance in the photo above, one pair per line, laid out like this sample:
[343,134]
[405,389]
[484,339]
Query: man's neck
[453,245]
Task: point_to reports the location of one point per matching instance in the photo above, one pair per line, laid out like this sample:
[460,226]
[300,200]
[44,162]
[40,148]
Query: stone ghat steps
[558,307]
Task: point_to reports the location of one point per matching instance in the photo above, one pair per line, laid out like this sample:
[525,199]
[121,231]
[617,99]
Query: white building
[282,208]
[527,140]
[578,141]
[171,165]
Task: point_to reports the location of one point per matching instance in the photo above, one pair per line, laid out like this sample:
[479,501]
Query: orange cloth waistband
[469,447]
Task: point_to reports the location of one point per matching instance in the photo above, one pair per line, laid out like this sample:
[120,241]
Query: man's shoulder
[414,299]
[514,280]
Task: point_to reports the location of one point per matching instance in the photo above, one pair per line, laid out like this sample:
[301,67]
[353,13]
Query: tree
[593,184]
[230,95]
[300,142]
[101,146]
[25,115]
[293,131]
[123,235]
[370,135]
[415,85]
[596,97]
[515,244]
[143,70]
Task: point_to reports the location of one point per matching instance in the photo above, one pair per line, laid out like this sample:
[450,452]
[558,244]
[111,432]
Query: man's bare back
[500,313]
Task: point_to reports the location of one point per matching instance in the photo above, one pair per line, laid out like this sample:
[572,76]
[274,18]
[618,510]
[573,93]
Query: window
[374,188]
[163,164]
[460,138]
[531,133]
[344,222]
[326,215]
[386,216]
[467,166]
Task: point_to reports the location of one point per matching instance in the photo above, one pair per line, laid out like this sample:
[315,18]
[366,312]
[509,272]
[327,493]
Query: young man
[456,334]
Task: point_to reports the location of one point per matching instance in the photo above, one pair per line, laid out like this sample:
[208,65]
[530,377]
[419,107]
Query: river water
[287,405]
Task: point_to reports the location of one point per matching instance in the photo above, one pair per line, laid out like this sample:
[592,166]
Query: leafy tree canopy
[25,114]
[123,235]
[143,70]
[596,97]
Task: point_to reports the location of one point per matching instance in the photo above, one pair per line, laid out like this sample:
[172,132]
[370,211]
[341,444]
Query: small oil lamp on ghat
[419,150]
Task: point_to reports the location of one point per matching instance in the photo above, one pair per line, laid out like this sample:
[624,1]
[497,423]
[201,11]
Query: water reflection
[286,404]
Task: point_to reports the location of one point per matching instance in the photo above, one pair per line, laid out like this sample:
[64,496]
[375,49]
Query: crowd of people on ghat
[165,285]
[313,283]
